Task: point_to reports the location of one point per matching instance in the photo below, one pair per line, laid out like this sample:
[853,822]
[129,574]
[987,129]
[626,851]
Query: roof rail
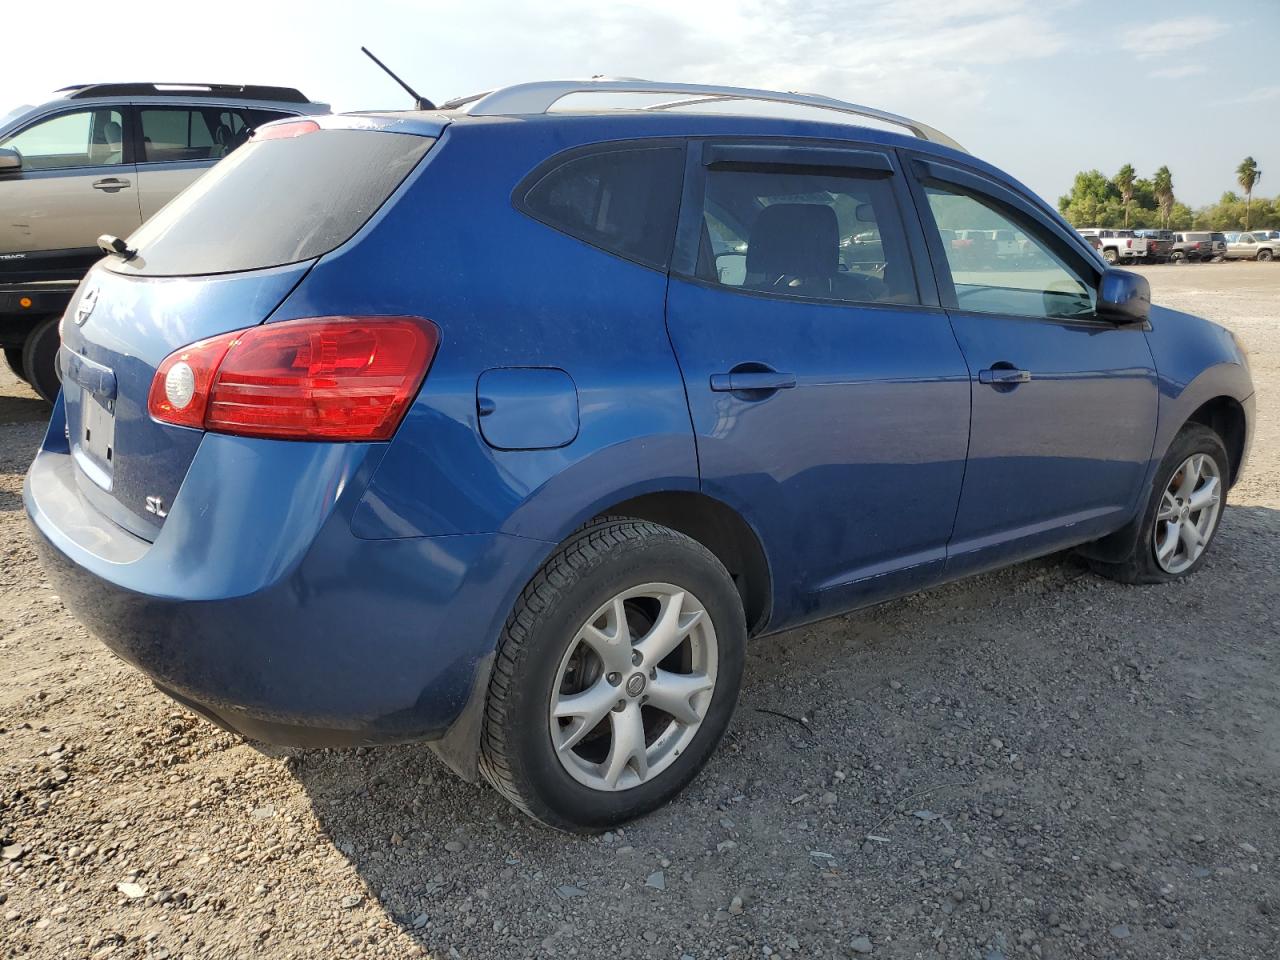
[530,99]
[235,90]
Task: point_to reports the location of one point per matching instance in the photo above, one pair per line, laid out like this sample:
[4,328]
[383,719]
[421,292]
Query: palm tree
[1247,175]
[1124,183]
[1162,186]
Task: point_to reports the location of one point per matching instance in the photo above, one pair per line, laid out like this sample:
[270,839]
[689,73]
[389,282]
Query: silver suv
[100,159]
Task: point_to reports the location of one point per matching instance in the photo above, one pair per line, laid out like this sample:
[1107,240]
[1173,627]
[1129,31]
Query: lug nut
[636,658]
[620,706]
[614,678]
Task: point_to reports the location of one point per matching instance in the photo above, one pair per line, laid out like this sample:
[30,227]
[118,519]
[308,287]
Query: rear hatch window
[275,201]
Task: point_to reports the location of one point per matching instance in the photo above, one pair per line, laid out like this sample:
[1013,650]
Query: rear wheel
[13,356]
[616,677]
[1264,255]
[1110,255]
[40,359]
[1182,512]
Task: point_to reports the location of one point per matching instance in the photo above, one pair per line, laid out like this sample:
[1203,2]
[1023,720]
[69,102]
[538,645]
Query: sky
[1041,88]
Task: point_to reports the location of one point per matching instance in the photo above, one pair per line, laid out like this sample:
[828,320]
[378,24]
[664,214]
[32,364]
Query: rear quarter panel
[508,291]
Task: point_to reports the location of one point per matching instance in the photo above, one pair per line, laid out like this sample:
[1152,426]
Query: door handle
[110,184]
[752,380]
[1004,376]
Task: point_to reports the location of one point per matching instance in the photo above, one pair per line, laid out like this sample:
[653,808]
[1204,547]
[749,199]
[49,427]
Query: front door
[830,407]
[74,186]
[1064,403]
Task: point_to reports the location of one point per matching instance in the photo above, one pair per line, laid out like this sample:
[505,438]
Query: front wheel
[616,676]
[1182,512]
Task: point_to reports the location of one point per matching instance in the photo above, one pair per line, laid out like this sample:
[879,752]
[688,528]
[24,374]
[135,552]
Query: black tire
[1141,566]
[1264,255]
[13,356]
[40,359]
[1110,256]
[517,755]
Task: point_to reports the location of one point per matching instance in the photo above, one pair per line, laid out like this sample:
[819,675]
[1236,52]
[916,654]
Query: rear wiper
[112,245]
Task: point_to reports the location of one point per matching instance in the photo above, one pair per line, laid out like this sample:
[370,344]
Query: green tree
[1123,182]
[1247,174]
[1162,184]
[1086,204]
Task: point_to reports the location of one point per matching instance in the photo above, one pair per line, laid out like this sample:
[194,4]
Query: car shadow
[834,741]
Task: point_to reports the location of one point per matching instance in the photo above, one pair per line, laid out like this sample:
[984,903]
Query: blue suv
[503,427]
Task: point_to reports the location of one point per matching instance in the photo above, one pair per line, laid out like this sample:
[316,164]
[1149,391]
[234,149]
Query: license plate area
[93,445]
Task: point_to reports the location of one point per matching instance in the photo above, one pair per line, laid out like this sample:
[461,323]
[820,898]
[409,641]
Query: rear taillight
[1129,244]
[327,378]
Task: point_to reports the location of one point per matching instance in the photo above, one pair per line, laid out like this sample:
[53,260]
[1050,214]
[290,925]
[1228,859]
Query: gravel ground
[1030,763]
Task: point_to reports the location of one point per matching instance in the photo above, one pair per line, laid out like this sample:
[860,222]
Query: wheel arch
[720,529]
[1225,416]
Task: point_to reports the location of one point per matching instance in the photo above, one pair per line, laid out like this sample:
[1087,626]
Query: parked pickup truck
[1159,244]
[1252,246]
[1118,246]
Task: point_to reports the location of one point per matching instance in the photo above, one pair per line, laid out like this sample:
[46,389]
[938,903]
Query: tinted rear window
[624,201]
[273,202]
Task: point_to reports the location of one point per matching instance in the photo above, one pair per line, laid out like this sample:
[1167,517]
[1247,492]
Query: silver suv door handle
[111,184]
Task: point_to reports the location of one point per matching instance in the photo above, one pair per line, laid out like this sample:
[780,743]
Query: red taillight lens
[1129,244]
[330,378]
[287,131]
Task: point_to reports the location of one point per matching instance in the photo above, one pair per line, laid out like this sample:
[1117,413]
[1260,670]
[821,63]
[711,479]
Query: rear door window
[814,235]
[275,201]
[623,200]
[191,133]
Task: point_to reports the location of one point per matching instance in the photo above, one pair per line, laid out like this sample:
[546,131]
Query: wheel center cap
[1184,513]
[635,684]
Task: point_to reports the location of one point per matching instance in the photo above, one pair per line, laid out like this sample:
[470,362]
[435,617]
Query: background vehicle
[1251,246]
[1159,244]
[1219,245]
[100,159]
[1195,246]
[1118,246]
[532,515]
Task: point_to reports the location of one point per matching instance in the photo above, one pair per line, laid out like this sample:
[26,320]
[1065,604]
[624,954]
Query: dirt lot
[1031,763]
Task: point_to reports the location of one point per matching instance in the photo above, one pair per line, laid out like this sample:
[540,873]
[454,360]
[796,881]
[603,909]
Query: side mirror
[1124,297]
[10,161]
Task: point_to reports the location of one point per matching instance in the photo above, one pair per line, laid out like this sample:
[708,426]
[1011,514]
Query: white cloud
[1179,73]
[1164,37]
[1260,95]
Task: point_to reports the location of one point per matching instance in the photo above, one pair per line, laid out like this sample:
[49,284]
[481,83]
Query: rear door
[829,399]
[77,182]
[1064,403]
[176,144]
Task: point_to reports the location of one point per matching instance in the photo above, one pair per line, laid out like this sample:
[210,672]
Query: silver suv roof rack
[531,99]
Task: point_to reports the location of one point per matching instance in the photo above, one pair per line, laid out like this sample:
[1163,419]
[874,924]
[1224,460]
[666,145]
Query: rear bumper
[279,624]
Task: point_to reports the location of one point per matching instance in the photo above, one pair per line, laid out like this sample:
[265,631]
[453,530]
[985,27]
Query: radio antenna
[419,102]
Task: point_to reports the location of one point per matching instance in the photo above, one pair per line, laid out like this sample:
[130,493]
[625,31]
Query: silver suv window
[80,138]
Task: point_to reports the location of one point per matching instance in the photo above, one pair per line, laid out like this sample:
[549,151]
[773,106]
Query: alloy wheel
[633,687]
[1188,513]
